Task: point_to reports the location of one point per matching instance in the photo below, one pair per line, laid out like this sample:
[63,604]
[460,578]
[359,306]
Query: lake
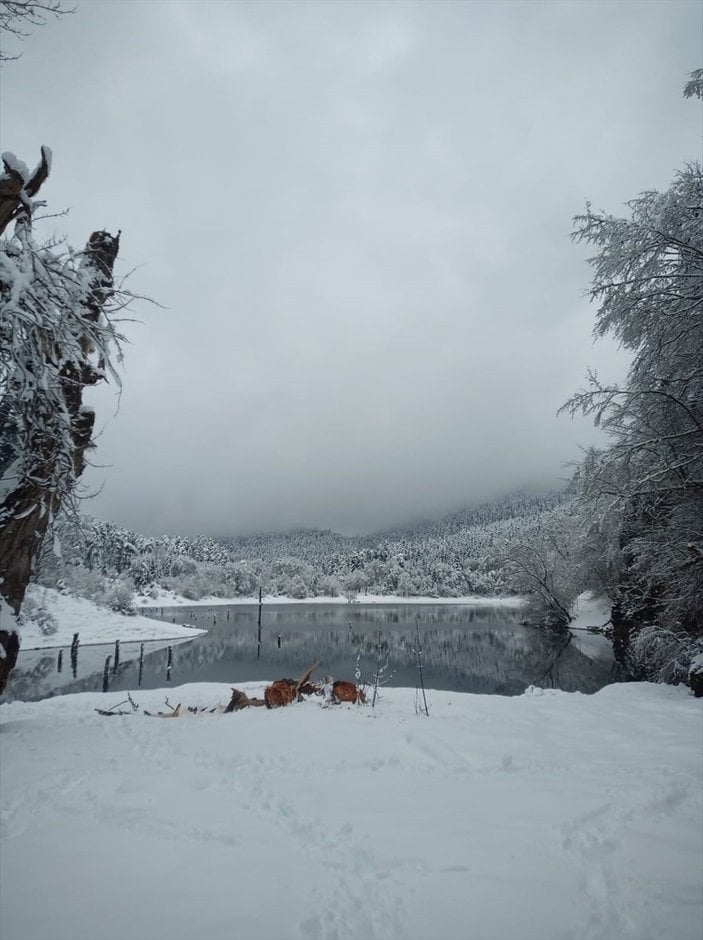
[465,649]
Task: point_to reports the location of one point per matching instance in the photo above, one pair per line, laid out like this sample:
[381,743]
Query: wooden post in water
[279,641]
[258,635]
[59,661]
[117,657]
[106,674]
[141,664]
[74,656]
[169,664]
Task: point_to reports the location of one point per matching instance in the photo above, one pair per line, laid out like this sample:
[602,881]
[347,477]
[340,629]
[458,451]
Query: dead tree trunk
[15,190]
[49,475]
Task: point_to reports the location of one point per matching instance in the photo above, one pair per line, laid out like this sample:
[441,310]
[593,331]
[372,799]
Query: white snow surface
[93,624]
[165,598]
[548,816]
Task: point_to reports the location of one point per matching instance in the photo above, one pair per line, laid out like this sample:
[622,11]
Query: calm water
[479,649]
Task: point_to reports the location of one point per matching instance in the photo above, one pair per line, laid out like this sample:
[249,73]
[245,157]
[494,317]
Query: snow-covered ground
[540,817]
[164,598]
[92,623]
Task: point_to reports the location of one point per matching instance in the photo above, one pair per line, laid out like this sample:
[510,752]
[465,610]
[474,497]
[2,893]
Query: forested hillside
[467,552]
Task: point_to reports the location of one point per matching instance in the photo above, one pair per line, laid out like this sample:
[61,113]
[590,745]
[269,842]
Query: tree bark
[14,190]
[27,511]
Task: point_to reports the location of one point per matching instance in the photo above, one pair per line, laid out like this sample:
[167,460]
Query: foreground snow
[546,816]
[93,624]
[164,598]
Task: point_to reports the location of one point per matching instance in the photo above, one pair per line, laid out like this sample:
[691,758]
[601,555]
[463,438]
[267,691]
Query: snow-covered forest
[466,553]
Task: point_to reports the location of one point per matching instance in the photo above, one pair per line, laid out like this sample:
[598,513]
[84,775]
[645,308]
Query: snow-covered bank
[541,817]
[93,624]
[165,598]
[592,610]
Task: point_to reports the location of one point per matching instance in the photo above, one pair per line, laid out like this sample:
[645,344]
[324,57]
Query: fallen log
[284,691]
[343,691]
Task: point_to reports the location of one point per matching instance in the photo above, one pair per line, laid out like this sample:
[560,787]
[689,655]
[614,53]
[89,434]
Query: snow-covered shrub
[329,586]
[660,655]
[119,596]
[297,588]
[82,582]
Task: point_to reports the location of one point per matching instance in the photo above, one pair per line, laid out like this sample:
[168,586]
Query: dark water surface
[466,649]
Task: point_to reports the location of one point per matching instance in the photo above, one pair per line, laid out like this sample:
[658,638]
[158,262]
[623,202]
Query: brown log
[284,691]
[343,691]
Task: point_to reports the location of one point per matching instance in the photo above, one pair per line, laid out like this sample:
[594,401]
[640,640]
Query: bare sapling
[420,706]
[358,679]
[380,677]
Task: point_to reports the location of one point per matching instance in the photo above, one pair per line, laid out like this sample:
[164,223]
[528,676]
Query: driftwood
[108,712]
[284,691]
[174,713]
[343,691]
[280,693]
[241,700]
[339,690]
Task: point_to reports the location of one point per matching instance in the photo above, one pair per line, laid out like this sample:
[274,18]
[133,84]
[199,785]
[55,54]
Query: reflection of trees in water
[34,681]
[36,675]
[464,649]
[503,661]
[304,617]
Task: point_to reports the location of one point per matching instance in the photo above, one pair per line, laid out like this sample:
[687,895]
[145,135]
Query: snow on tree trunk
[55,344]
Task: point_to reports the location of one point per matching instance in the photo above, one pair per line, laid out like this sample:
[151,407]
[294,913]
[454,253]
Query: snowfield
[548,816]
[93,624]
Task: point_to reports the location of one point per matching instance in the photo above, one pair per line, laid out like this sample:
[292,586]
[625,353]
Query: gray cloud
[357,217]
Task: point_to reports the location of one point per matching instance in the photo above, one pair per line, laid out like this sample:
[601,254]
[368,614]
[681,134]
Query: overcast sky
[356,217]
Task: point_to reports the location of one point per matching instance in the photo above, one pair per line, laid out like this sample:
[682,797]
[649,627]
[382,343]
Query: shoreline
[270,600]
